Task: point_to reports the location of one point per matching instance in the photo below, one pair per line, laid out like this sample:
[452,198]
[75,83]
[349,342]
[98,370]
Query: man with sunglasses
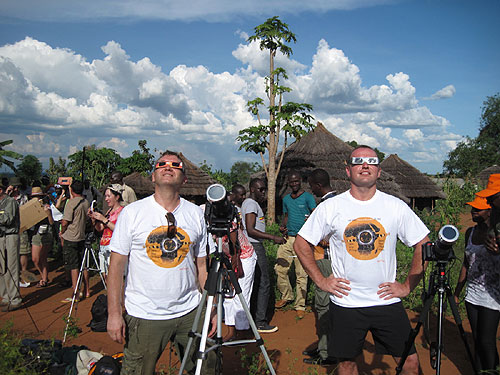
[254,223]
[363,225]
[164,239]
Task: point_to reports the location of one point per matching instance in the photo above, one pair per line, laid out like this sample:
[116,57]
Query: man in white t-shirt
[164,238]
[364,225]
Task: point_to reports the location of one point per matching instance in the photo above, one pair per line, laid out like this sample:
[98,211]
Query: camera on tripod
[442,249]
[219,211]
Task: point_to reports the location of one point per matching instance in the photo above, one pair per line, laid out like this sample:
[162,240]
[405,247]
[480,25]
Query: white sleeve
[121,241]
[316,226]
[411,229]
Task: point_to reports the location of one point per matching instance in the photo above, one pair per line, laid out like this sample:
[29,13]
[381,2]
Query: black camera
[442,249]
[219,211]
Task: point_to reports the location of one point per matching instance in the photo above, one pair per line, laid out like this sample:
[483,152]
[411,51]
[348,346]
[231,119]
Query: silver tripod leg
[85,266]
[206,322]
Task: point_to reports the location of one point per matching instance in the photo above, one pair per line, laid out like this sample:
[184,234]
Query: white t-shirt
[162,278]
[363,236]
[251,206]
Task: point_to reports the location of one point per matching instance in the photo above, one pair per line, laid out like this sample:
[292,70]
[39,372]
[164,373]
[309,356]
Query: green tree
[140,161]
[241,171]
[221,177]
[56,170]
[291,119]
[30,168]
[380,154]
[4,154]
[98,164]
[474,154]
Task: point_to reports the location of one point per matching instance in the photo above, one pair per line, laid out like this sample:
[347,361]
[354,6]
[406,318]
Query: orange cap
[492,188]
[479,203]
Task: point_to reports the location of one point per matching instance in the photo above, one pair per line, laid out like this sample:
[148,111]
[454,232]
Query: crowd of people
[153,254]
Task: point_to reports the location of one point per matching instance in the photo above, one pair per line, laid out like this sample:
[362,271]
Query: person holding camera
[363,225]
[42,239]
[164,239]
[105,224]
[73,231]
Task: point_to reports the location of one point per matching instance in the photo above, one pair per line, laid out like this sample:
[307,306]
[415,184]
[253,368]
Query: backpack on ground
[108,365]
[99,312]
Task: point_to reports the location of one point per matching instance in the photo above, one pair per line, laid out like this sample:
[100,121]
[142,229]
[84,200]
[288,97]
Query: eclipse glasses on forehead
[171,164]
[360,160]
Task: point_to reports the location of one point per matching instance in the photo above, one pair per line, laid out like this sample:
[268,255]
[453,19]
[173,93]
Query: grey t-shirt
[250,206]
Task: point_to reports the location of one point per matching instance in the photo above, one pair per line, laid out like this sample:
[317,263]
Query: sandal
[42,284]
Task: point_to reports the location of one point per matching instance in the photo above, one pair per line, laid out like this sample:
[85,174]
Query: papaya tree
[287,120]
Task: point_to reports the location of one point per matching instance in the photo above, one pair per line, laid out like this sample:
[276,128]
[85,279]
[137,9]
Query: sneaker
[266,328]
[24,284]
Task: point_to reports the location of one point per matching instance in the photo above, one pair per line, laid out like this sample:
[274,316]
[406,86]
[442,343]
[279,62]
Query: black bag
[39,355]
[99,312]
[107,365]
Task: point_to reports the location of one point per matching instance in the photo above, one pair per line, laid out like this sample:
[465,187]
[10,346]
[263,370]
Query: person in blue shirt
[296,209]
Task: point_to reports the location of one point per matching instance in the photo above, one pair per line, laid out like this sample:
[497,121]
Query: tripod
[85,266]
[438,282]
[220,265]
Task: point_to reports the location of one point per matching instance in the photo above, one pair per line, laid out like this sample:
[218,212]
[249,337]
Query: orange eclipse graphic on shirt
[167,252]
[364,238]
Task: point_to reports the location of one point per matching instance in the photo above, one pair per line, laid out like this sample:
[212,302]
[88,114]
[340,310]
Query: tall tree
[291,119]
[4,154]
[30,168]
[474,154]
[97,166]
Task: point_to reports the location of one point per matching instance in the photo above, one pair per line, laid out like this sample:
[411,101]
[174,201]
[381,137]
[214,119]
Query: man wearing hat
[9,251]
[492,195]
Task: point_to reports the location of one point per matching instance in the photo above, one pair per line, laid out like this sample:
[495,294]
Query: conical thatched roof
[413,183]
[321,149]
[143,186]
[197,180]
[196,186]
[484,175]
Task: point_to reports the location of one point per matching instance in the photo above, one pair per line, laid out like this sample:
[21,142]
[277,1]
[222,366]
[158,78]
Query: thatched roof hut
[321,149]
[194,190]
[419,188]
[484,175]
[197,182]
[143,186]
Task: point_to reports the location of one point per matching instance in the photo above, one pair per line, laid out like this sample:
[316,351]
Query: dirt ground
[42,317]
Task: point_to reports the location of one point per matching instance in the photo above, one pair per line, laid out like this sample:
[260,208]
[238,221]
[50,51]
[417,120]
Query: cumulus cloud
[444,93]
[215,10]
[114,101]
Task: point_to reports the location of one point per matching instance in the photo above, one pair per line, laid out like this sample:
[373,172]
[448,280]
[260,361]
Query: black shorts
[73,254]
[388,324]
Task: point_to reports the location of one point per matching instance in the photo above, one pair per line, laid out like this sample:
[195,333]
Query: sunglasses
[171,164]
[172,229]
[360,160]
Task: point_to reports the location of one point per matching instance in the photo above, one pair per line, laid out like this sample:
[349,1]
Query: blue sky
[408,77]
